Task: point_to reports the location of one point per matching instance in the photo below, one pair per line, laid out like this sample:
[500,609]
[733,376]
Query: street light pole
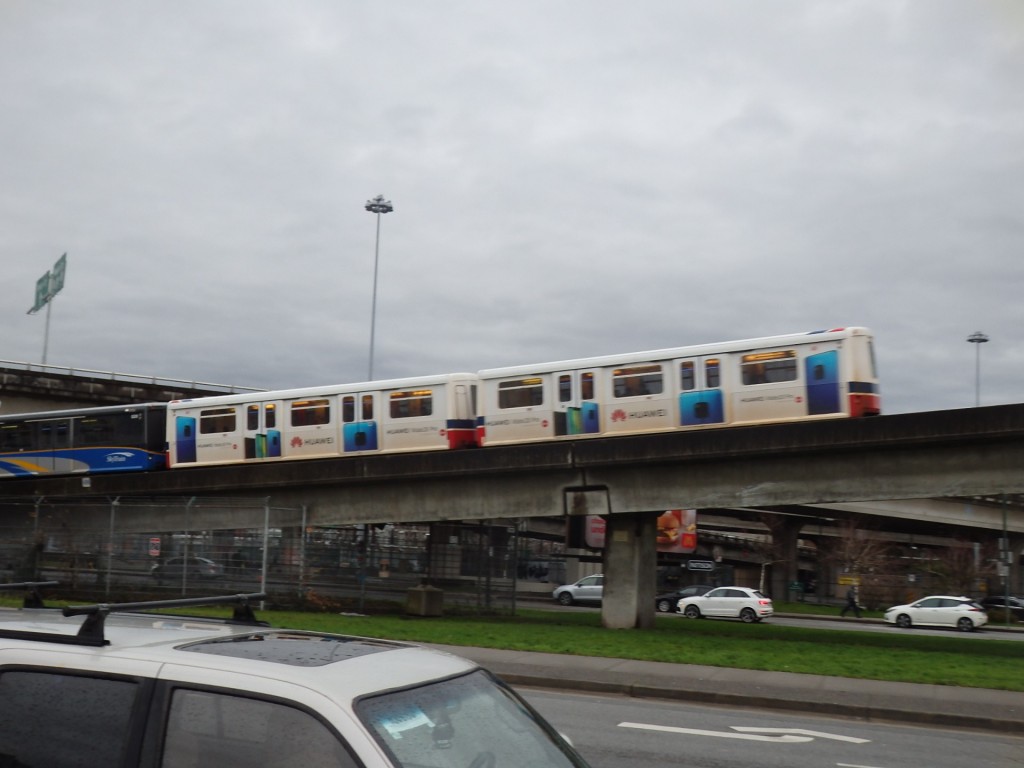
[377,205]
[977,338]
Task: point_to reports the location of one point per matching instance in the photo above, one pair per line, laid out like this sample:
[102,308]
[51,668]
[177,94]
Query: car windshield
[471,720]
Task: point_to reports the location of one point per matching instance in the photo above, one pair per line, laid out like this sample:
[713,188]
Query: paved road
[624,732]
[1001,711]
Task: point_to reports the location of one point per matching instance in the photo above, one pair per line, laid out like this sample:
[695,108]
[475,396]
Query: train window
[587,386]
[216,420]
[308,413]
[54,434]
[687,380]
[99,431]
[564,388]
[270,414]
[769,367]
[520,393]
[15,437]
[348,408]
[252,418]
[405,405]
[637,380]
[712,373]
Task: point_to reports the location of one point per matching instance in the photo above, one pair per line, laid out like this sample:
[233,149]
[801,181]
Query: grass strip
[901,657]
[954,660]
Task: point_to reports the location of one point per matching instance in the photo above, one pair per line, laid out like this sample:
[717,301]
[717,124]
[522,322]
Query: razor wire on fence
[132,549]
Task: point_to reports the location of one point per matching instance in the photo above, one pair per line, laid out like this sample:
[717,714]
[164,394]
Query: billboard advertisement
[677,532]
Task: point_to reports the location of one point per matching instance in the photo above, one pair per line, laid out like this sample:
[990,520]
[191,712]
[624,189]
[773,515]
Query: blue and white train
[818,375]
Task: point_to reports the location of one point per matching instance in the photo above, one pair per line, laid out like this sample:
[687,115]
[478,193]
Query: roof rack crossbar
[32,597]
[91,630]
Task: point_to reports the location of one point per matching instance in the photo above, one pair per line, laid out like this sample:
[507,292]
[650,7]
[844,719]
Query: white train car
[815,375]
[418,414]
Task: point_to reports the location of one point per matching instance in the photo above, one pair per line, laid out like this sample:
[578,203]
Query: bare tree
[863,555]
[958,568]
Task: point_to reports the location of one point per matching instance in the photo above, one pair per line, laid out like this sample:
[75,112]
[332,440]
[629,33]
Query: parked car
[939,611]
[669,601]
[198,568]
[733,602]
[1015,605]
[589,589]
[109,685]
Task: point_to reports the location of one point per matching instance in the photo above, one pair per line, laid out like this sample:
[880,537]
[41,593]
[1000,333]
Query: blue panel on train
[360,436]
[822,373]
[591,418]
[701,407]
[185,438]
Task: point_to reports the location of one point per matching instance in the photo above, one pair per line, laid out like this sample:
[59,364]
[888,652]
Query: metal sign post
[48,286]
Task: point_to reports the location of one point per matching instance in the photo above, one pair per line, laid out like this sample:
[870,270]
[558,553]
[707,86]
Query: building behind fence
[132,549]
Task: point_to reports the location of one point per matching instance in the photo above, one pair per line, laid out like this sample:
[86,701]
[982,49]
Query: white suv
[146,690]
[589,589]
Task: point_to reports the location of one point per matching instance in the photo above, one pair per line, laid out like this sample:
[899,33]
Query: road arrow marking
[751,733]
[786,739]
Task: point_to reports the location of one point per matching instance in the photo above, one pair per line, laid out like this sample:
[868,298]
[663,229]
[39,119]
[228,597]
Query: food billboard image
[677,531]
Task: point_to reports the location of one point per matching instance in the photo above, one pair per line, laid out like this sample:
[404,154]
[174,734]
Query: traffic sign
[700,565]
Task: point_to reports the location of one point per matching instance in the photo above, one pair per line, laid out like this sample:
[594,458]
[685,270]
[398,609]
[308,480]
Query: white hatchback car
[733,602]
[138,690]
[939,611]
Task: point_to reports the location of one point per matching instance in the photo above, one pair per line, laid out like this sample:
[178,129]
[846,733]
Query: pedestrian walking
[851,602]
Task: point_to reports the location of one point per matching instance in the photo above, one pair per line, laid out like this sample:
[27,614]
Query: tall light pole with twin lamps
[977,338]
[377,205]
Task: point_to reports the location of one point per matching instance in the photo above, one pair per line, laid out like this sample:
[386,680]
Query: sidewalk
[941,705]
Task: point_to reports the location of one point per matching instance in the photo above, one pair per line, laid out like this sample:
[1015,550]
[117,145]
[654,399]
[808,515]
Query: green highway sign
[50,284]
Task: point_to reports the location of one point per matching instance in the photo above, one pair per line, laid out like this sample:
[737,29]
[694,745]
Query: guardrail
[124,377]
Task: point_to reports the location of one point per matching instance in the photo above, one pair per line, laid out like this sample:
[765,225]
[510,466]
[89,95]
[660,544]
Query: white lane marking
[721,734]
[752,733]
[803,732]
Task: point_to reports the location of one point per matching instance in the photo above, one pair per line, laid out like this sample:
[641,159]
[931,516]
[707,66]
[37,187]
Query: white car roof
[339,667]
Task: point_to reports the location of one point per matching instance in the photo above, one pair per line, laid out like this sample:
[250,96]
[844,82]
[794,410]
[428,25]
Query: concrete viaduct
[971,458]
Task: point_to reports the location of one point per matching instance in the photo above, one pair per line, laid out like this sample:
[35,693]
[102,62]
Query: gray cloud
[569,180]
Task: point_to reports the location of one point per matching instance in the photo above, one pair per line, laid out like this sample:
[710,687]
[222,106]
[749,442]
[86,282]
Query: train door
[262,433]
[576,410]
[54,445]
[359,419]
[700,391]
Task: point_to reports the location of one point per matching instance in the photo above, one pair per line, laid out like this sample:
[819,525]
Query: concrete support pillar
[630,557]
[787,565]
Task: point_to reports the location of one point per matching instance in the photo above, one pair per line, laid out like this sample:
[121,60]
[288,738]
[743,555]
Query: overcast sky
[569,179]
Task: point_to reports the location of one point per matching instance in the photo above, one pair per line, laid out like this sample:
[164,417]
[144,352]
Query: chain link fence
[128,550]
